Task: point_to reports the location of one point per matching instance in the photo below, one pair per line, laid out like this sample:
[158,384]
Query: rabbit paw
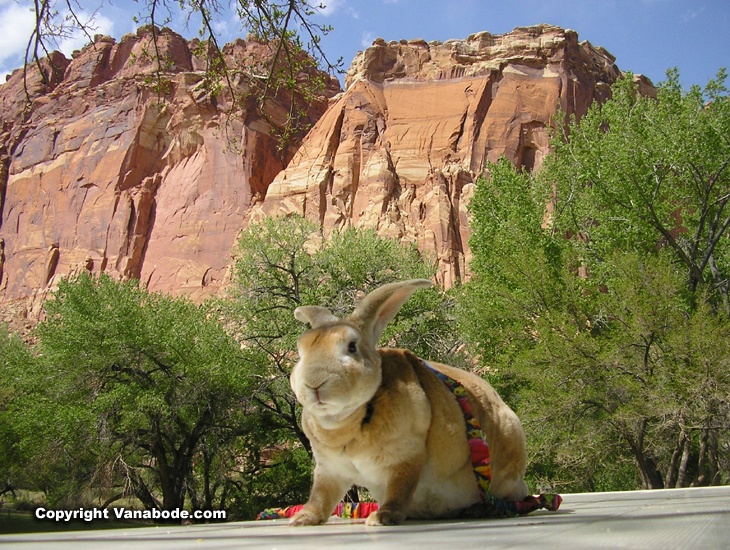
[386,517]
[305,517]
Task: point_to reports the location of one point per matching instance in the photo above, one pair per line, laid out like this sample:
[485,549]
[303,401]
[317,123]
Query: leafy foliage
[638,173]
[131,392]
[600,292]
[287,262]
[17,366]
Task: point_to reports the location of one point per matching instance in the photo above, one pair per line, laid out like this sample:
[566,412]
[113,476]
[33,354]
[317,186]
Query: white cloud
[16,24]
[692,14]
[221,26]
[367,39]
[330,6]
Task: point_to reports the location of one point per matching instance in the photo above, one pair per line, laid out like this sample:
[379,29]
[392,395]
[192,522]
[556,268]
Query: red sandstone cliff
[400,149]
[98,176]
[102,175]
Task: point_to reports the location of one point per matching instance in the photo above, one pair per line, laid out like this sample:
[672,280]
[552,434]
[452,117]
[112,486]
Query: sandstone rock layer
[401,148]
[104,173]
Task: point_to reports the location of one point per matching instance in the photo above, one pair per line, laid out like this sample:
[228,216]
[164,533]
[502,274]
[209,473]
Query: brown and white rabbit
[378,418]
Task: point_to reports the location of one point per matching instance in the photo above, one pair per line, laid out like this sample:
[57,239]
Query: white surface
[692,519]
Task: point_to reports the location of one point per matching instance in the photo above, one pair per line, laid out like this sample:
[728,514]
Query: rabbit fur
[378,418]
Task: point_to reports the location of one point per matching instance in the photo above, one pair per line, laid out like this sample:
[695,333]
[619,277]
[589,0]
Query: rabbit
[380,419]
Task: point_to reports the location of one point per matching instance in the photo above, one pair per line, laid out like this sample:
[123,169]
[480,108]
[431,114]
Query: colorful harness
[490,506]
[348,510]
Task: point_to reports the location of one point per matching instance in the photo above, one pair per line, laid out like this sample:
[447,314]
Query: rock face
[101,175]
[401,148]
[104,174]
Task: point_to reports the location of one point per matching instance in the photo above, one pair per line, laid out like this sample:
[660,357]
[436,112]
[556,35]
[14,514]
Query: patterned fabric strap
[349,510]
[475,436]
[491,506]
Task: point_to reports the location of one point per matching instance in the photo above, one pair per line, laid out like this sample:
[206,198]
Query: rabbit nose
[315,390]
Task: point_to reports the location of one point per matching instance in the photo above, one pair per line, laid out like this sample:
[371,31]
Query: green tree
[600,291]
[636,173]
[138,390]
[16,365]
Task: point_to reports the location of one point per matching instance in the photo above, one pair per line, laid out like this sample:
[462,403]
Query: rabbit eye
[352,347]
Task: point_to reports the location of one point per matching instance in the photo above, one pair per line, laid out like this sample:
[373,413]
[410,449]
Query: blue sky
[646,36]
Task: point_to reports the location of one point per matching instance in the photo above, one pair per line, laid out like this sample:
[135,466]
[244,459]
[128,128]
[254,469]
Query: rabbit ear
[314,315]
[379,307]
